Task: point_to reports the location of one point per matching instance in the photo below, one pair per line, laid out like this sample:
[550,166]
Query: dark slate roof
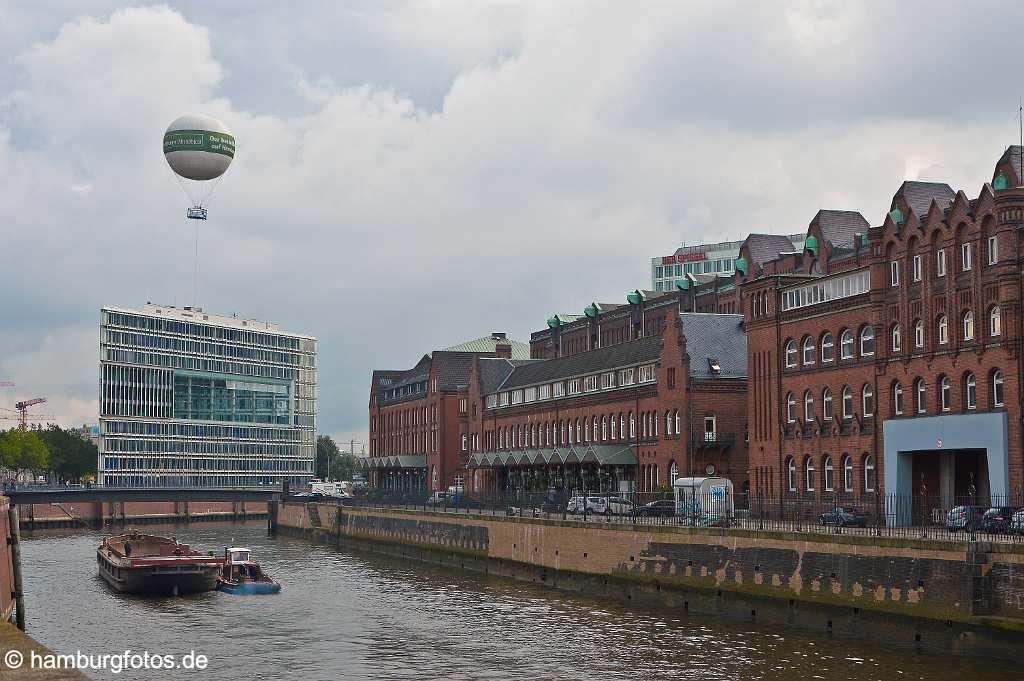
[919,195]
[766,247]
[1013,155]
[715,336]
[839,226]
[452,369]
[494,370]
[621,355]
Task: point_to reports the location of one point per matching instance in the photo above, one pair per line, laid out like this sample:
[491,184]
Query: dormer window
[714,366]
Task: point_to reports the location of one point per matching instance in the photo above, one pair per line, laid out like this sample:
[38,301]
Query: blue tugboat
[243,577]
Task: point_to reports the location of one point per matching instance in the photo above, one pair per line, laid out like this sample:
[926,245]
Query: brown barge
[149,564]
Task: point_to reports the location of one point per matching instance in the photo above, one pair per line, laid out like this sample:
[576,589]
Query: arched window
[809,352]
[867,341]
[846,344]
[918,334]
[897,344]
[867,399]
[673,471]
[632,425]
[829,474]
[995,322]
[847,473]
[869,473]
[826,404]
[790,408]
[809,474]
[791,353]
[968,325]
[847,402]
[943,327]
[791,473]
[997,388]
[675,417]
[970,392]
[897,399]
[920,396]
[944,390]
[668,424]
[654,422]
[604,428]
[615,427]
[808,405]
[827,351]
[622,426]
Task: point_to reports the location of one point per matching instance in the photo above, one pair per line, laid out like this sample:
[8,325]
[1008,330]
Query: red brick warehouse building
[418,417]
[622,416]
[887,359]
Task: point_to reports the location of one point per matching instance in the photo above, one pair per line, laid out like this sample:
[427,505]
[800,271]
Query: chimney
[502,348]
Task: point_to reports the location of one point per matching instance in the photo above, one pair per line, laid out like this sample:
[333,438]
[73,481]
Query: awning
[395,461]
[599,455]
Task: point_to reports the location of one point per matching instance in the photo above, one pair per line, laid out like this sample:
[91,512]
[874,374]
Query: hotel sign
[684,257]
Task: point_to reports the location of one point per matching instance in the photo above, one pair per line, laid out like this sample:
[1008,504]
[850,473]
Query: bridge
[97,506]
[83,495]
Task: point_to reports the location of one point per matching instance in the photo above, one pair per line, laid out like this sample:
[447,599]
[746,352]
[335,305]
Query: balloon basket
[196,213]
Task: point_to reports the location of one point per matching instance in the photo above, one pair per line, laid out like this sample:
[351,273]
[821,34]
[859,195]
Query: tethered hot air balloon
[199,150]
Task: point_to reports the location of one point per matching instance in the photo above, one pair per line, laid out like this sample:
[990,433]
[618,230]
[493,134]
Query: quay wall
[954,596]
[135,512]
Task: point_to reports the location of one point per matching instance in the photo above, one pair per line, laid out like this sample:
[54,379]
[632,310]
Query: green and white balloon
[199,150]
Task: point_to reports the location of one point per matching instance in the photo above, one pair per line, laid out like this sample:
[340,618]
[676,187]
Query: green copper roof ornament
[742,266]
[682,284]
[897,215]
[592,310]
[553,322]
[811,244]
[1000,182]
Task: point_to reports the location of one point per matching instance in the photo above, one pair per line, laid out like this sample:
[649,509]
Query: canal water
[356,616]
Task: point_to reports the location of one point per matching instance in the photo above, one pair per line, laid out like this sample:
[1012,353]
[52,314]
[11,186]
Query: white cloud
[413,175]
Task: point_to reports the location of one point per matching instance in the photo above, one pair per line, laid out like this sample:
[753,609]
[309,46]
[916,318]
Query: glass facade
[192,399]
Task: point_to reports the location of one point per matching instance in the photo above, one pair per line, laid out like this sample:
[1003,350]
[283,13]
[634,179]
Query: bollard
[19,594]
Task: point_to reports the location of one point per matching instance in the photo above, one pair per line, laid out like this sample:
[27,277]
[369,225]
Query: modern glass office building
[189,398]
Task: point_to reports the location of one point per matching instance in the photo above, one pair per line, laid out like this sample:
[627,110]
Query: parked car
[553,502]
[662,508]
[964,518]
[843,517]
[619,506]
[460,500]
[997,520]
[436,499]
[1017,522]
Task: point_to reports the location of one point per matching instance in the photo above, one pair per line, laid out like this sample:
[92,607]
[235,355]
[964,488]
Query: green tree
[22,450]
[70,455]
[326,456]
[332,464]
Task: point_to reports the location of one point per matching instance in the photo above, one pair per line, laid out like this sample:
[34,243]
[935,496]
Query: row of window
[966,262]
[829,475]
[591,429]
[944,389]
[807,352]
[607,380]
[833,288]
[920,395]
[198,330]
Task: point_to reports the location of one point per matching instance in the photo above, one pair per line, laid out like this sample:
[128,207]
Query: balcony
[715,439]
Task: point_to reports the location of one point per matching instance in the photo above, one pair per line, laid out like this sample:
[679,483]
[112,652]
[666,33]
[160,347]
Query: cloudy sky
[413,174]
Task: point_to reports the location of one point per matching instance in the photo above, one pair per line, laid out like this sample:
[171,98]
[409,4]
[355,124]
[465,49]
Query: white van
[704,501]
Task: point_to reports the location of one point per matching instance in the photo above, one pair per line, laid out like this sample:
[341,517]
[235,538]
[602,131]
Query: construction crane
[22,412]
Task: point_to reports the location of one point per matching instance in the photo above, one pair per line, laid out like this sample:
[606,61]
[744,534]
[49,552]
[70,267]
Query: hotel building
[888,358]
[189,398]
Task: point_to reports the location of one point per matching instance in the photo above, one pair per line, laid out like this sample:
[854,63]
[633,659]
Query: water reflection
[354,616]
